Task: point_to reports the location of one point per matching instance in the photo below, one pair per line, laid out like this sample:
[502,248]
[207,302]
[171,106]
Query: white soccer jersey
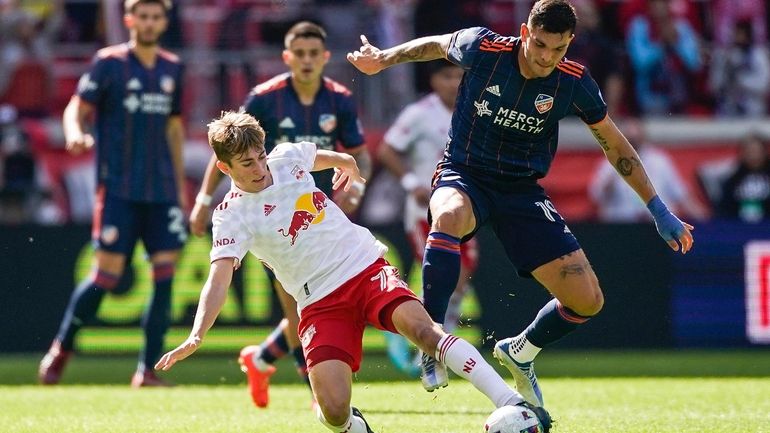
[421,132]
[294,228]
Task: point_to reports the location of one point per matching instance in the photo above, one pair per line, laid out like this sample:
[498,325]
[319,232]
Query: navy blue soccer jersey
[331,119]
[133,104]
[507,126]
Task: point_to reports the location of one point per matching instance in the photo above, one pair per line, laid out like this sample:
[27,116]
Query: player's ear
[286,56]
[224,168]
[128,20]
[524,31]
[327,56]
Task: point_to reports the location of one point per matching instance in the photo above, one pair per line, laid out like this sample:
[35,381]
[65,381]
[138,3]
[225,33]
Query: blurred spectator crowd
[651,58]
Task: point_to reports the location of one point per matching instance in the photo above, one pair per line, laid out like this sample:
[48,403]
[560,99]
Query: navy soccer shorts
[119,223]
[520,212]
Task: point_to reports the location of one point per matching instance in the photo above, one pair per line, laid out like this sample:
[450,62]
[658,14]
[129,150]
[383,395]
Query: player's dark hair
[304,29]
[235,133]
[554,16]
[130,5]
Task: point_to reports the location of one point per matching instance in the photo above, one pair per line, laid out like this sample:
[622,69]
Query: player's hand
[675,232]
[199,219]
[348,201]
[79,143]
[183,351]
[345,177]
[368,59]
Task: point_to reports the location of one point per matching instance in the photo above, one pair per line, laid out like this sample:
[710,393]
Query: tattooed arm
[371,60]
[623,157]
[626,161]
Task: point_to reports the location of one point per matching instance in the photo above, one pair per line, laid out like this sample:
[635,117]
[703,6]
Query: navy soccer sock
[83,305]
[440,272]
[157,318]
[299,362]
[553,322]
[275,345]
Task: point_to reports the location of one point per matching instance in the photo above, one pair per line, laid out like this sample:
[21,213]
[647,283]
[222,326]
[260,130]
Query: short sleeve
[465,44]
[404,130]
[351,131]
[303,153]
[231,237]
[588,103]
[94,83]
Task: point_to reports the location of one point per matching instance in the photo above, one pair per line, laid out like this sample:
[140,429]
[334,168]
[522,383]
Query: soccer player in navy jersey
[503,138]
[299,105]
[134,92]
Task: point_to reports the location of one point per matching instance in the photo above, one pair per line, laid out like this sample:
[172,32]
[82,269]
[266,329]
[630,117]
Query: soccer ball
[513,419]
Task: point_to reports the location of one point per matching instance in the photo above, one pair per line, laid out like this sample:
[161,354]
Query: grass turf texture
[585,391]
[579,405]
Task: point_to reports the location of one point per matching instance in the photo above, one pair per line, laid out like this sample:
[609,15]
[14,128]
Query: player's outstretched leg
[411,320]
[518,353]
[156,320]
[82,308]
[440,272]
[331,383]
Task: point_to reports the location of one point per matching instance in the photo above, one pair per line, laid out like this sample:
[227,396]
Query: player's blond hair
[129,5]
[235,133]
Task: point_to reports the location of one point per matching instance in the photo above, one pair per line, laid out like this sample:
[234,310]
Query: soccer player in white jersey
[410,150]
[332,267]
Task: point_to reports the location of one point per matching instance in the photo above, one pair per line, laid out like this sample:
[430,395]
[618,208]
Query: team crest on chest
[327,122]
[297,172]
[167,84]
[543,103]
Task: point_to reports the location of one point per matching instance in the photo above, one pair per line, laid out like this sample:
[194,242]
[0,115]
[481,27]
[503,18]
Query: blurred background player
[133,89]
[411,148]
[503,139]
[617,203]
[333,268]
[299,105]
[745,193]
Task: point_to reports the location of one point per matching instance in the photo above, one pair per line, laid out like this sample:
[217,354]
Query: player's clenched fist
[368,59]
[79,143]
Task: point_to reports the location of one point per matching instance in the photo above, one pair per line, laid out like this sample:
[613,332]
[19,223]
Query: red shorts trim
[469,250]
[337,321]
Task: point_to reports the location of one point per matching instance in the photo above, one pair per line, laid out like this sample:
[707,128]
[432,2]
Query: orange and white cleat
[258,378]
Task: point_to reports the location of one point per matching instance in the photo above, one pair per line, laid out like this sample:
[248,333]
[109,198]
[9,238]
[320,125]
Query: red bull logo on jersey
[310,209]
[543,103]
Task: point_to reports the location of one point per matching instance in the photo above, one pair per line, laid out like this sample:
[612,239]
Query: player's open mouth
[259,180]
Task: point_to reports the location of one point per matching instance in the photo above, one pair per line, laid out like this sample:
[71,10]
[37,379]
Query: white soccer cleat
[523,373]
[434,374]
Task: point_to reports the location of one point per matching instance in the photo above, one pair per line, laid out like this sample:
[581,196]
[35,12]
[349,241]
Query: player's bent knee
[589,306]
[333,411]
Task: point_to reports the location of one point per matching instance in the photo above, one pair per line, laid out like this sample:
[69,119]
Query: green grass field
[644,392]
